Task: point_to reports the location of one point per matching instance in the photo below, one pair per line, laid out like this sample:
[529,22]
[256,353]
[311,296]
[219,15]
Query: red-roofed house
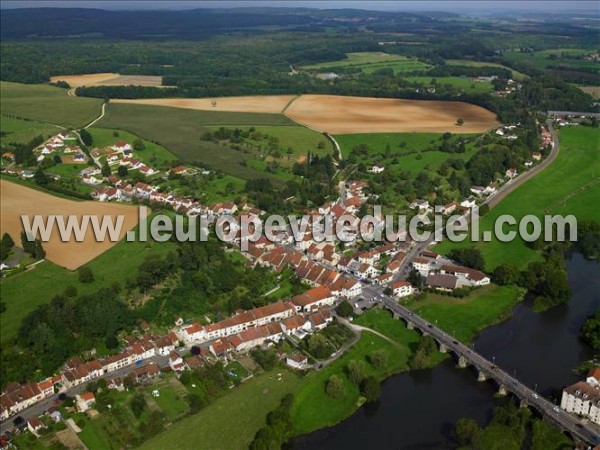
[85,401]
[314,299]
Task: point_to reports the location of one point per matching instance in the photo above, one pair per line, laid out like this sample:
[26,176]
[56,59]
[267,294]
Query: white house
[422,265]
[469,202]
[582,399]
[402,289]
[297,361]
[85,401]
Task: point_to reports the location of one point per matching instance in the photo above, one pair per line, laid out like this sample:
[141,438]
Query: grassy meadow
[314,409]
[231,421]
[47,104]
[21,131]
[369,62]
[463,83]
[295,137]
[153,154]
[180,131]
[465,317]
[570,185]
[465,62]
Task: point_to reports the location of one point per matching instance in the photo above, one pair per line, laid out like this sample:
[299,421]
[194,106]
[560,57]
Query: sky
[473,6]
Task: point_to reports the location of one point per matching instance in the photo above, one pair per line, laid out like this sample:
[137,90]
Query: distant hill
[94,23]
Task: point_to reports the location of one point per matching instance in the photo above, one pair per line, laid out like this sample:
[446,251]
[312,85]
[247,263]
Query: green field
[295,137]
[399,142]
[465,62]
[567,57]
[23,292]
[463,83]
[464,318]
[180,131]
[153,154]
[48,104]
[314,409]
[570,185]
[20,131]
[231,421]
[369,62]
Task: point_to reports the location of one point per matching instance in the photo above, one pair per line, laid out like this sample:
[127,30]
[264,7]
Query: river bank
[418,409]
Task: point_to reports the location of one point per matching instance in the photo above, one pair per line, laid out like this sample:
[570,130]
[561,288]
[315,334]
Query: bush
[86,275]
[370,389]
[335,387]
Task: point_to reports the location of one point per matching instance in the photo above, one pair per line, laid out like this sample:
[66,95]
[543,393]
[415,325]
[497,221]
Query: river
[418,410]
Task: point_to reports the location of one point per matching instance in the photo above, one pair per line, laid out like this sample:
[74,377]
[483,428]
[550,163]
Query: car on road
[556,409]
[536,396]
[455,342]
[429,325]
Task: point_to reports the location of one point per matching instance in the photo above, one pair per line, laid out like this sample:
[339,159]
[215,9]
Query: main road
[500,194]
[581,431]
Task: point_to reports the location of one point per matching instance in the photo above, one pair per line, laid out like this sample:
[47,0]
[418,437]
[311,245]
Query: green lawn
[313,409]
[464,318]
[236,370]
[153,154]
[463,83]
[25,291]
[180,131]
[369,62]
[465,62]
[94,435]
[171,397]
[555,190]
[231,421]
[20,131]
[48,104]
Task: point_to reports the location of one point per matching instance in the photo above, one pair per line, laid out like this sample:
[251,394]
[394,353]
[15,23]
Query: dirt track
[18,200]
[257,104]
[347,115]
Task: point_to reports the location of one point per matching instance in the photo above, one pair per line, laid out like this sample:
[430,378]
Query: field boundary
[290,103]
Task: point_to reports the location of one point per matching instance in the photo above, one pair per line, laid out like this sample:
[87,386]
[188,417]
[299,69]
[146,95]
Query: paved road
[500,194]
[41,407]
[515,183]
[588,433]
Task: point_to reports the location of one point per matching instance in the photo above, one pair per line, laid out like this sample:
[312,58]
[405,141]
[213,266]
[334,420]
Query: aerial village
[334,275]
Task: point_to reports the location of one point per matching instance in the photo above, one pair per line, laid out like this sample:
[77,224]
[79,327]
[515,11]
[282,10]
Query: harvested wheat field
[18,200]
[256,104]
[84,80]
[109,79]
[346,115]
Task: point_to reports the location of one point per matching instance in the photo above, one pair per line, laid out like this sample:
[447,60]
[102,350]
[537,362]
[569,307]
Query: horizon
[486,7]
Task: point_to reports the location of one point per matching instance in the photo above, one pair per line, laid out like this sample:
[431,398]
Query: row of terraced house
[17,397]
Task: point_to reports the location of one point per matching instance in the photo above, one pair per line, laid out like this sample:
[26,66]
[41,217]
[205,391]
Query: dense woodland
[203,55]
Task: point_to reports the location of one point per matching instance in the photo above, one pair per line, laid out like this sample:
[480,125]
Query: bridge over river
[583,433]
